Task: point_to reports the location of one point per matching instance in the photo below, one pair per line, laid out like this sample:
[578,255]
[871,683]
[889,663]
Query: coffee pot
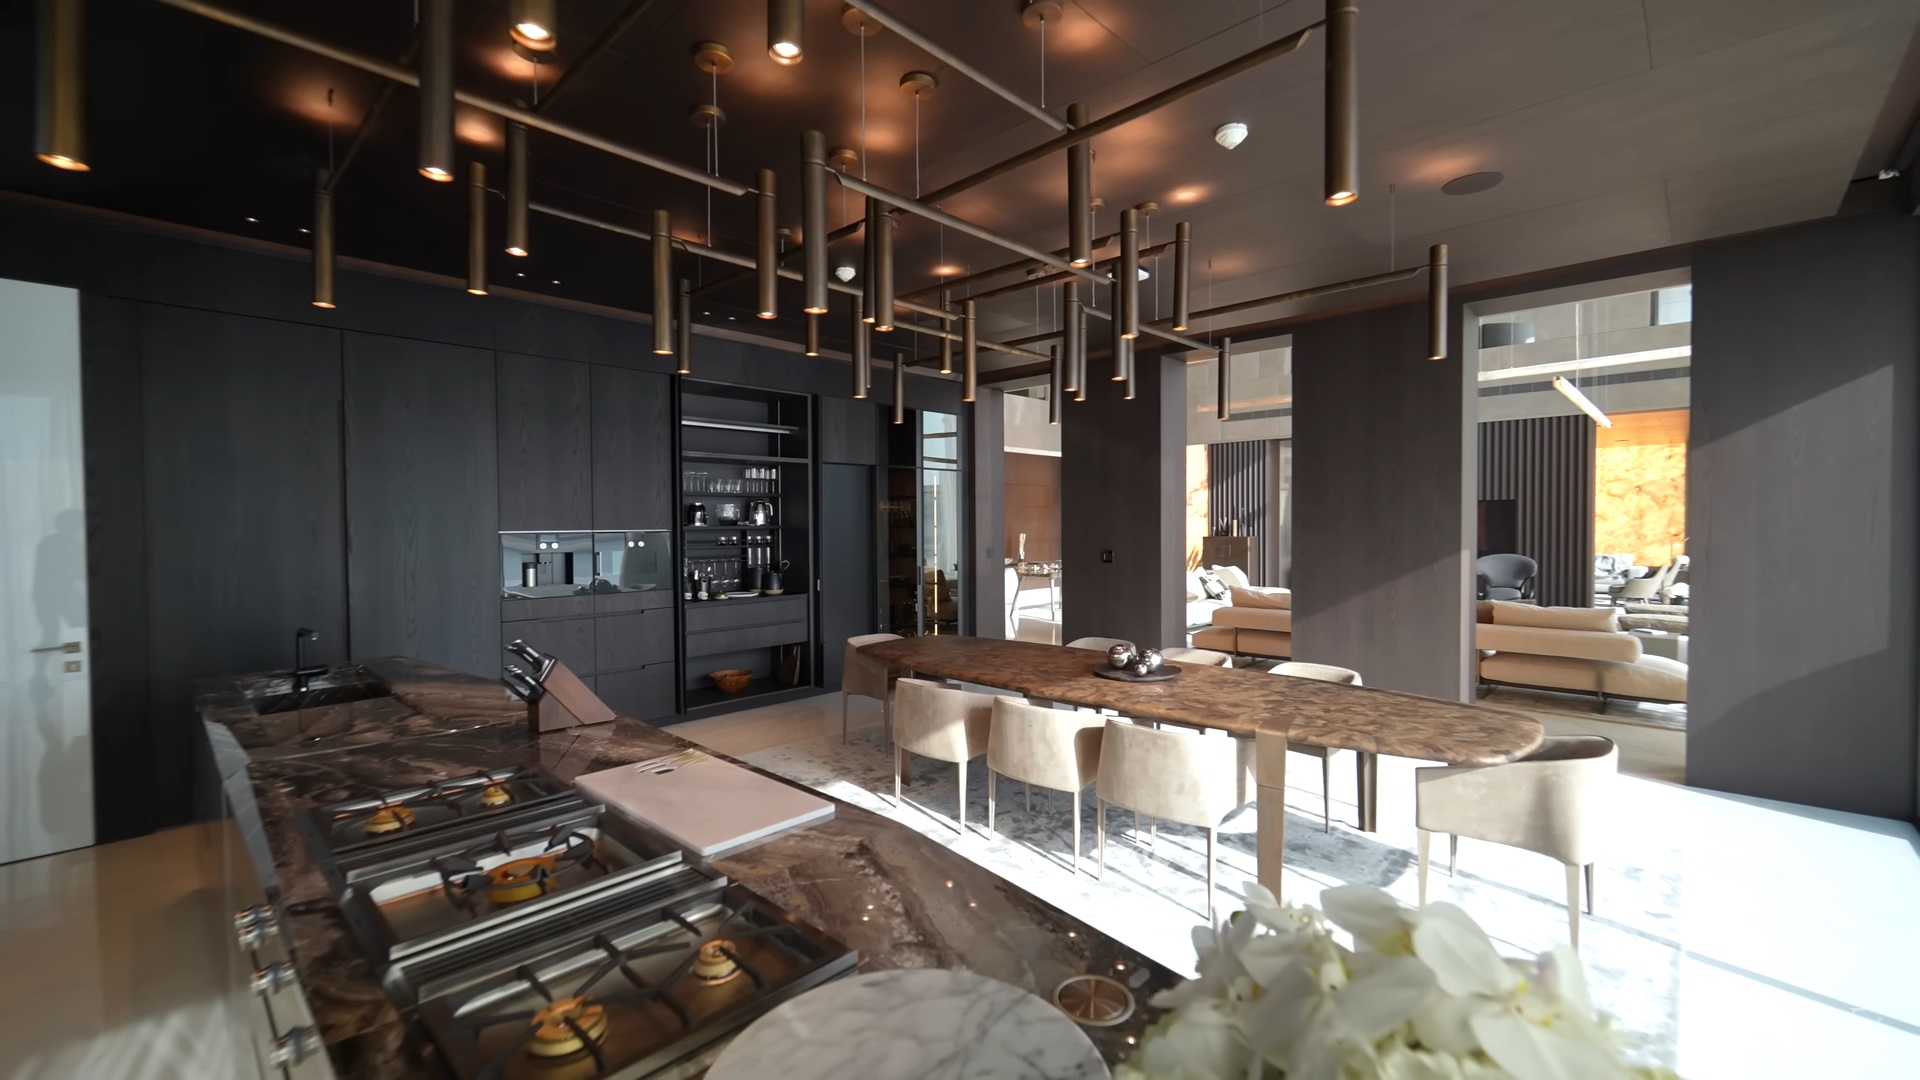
[696,513]
[760,512]
[771,583]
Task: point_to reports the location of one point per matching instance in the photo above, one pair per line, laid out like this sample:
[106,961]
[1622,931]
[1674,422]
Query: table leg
[1270,779]
[1367,785]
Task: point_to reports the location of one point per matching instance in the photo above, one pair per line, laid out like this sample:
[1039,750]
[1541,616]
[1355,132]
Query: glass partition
[942,513]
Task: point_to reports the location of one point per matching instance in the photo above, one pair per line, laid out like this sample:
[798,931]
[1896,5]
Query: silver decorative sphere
[1119,656]
[1141,667]
[1152,659]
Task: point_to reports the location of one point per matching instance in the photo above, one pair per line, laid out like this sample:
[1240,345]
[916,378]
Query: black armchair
[1505,577]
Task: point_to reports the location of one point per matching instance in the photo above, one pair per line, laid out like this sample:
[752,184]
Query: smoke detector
[1230,135]
[844,273]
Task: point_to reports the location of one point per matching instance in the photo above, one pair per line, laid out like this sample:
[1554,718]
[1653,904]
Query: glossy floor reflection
[1715,913]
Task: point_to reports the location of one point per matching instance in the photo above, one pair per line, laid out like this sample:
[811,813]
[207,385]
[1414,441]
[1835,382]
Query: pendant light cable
[1393,222]
[1043,61]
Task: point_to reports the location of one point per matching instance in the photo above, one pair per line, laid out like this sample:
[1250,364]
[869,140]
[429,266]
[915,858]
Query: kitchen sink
[315,697]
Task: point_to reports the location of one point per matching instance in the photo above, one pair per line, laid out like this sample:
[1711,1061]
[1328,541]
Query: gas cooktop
[345,829]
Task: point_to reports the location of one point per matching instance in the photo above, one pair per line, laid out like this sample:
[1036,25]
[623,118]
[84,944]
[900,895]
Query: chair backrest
[1319,672]
[1182,776]
[1054,748]
[864,675]
[1098,644]
[1506,571]
[1202,657]
[941,721]
[1553,801]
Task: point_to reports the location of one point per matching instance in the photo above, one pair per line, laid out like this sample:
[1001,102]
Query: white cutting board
[707,806]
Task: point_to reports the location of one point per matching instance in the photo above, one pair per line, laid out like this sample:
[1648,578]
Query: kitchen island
[899,898]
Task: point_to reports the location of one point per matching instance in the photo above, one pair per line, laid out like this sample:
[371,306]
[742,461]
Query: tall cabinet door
[545,445]
[422,545]
[633,472]
[847,604]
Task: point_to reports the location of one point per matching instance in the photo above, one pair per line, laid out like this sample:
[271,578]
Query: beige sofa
[1256,622]
[1577,649]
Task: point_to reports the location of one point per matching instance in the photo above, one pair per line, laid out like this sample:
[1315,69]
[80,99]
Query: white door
[46,748]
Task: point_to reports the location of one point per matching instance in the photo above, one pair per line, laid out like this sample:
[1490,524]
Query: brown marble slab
[1238,700]
[900,898]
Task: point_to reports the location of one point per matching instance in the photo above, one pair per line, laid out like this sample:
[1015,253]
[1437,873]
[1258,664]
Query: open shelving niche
[725,431]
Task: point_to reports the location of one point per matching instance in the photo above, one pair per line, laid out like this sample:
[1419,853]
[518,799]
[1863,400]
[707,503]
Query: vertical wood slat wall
[1237,487]
[1546,466]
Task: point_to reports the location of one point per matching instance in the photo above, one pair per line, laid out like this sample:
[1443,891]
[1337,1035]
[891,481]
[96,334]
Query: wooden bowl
[732,680]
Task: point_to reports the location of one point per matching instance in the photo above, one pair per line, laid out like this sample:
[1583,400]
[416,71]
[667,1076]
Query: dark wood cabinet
[849,572]
[423,558]
[643,693]
[628,641]
[850,431]
[572,640]
[633,470]
[545,439]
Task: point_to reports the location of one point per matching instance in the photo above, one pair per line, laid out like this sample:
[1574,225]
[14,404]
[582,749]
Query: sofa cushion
[1255,618]
[1547,641]
[1273,643]
[1553,672]
[1653,677]
[1211,584]
[1232,575]
[1261,598]
[1605,620]
[1222,638]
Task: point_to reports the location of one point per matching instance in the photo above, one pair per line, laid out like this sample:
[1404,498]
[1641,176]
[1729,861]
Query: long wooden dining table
[1245,703]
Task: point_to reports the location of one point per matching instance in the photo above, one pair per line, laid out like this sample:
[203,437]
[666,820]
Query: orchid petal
[1291,1008]
[1373,917]
[1446,1024]
[1383,995]
[1531,1050]
[1562,976]
[1460,953]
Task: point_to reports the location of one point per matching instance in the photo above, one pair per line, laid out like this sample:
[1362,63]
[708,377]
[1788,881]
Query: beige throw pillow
[1261,598]
[1556,618]
[1235,577]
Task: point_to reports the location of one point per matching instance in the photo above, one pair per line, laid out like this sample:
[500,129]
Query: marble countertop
[901,899]
[1237,700]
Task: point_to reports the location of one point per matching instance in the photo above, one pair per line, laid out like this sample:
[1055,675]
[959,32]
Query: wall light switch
[1106,554]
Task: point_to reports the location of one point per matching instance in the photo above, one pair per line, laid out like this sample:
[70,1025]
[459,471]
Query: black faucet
[301,672]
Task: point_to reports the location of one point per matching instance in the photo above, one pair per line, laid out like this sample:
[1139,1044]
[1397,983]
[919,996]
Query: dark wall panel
[1382,548]
[633,471]
[1545,466]
[423,558]
[545,444]
[985,422]
[849,603]
[1122,491]
[1801,480]
[245,536]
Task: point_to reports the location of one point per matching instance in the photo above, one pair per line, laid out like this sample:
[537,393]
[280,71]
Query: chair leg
[1426,842]
[1211,833]
[1589,888]
[899,760]
[992,782]
[963,798]
[843,717]
[1453,854]
[1076,834]
[886,715]
[1026,789]
[1573,903]
[1100,834]
[1326,792]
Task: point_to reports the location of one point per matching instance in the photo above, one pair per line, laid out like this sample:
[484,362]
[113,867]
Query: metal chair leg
[1453,854]
[1426,841]
[1573,904]
[992,777]
[1326,792]
[963,798]
[1100,834]
[1589,888]
[898,754]
[1076,834]
[843,717]
[1211,833]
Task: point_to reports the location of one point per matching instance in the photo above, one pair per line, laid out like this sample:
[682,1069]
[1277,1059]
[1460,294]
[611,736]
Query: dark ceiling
[1621,125]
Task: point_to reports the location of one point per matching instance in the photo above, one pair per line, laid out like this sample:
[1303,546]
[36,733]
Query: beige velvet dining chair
[1098,644]
[1200,657]
[1167,775]
[866,677]
[941,722]
[1553,801]
[1043,747]
[1320,673]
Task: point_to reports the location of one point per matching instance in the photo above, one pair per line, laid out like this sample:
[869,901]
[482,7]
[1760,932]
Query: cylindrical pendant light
[1080,389]
[766,250]
[534,23]
[868,230]
[683,330]
[1070,315]
[1079,192]
[785,27]
[436,89]
[946,343]
[882,269]
[969,354]
[476,228]
[662,283]
[899,389]
[517,189]
[60,128]
[1055,385]
[813,220]
[813,334]
[1437,302]
[1127,276]
[1343,103]
[1133,366]
[1182,275]
[323,255]
[1223,404]
[862,356]
[1117,342]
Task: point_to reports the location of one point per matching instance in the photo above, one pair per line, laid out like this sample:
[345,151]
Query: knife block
[566,702]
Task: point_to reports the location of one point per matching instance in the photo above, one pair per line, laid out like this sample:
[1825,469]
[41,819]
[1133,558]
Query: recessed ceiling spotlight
[1472,183]
[945,270]
[521,273]
[844,273]
[1230,134]
[533,23]
[306,230]
[253,221]
[556,281]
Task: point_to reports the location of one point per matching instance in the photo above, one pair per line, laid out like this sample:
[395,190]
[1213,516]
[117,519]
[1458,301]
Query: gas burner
[566,1027]
[1094,1000]
[518,879]
[495,795]
[716,962]
[388,819]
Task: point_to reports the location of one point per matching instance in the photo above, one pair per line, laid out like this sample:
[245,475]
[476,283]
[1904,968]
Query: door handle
[69,646]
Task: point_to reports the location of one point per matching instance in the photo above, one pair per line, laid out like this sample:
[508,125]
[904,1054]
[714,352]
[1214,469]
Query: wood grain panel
[1032,505]
[423,548]
[545,444]
[633,470]
[1546,466]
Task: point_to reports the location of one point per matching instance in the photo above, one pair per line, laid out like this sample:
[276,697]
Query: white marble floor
[1732,937]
